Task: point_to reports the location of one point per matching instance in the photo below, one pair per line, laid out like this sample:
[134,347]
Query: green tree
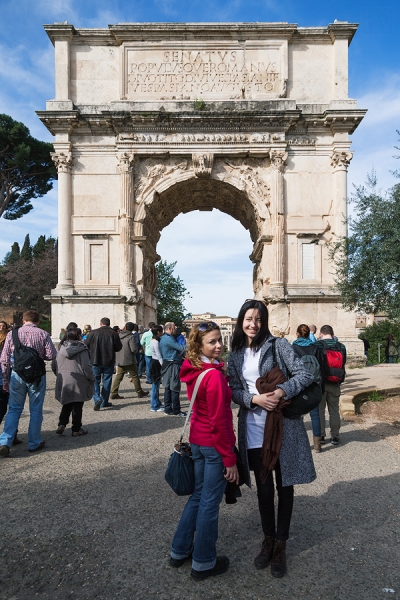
[376,334]
[26,252]
[39,247]
[171,294]
[26,168]
[23,283]
[13,256]
[367,261]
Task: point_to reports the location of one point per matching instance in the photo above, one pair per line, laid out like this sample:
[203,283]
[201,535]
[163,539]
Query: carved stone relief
[202,164]
[150,170]
[254,179]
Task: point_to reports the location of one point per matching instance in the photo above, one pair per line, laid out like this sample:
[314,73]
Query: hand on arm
[270,400]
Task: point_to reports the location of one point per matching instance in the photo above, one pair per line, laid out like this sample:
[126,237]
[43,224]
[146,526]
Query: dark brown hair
[303,331]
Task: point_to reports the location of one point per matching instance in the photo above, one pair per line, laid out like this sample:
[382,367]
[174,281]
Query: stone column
[63,162]
[278,158]
[126,226]
[340,161]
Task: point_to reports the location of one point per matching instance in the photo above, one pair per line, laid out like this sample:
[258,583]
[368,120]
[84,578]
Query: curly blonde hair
[195,342]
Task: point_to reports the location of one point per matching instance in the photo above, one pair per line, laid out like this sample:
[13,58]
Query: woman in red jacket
[212,440]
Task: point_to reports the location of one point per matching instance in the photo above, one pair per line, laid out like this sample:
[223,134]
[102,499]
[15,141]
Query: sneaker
[221,566]
[159,409]
[16,441]
[142,394]
[323,440]
[335,441]
[106,405]
[80,432]
[4,451]
[60,429]
[116,397]
[180,414]
[97,405]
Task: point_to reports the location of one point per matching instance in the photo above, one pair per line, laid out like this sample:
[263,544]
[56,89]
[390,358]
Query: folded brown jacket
[274,424]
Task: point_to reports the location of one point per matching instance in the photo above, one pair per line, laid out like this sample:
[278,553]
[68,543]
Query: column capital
[341,160]
[125,162]
[278,159]
[63,161]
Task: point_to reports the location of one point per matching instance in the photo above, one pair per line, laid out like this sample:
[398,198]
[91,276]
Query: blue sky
[211,248]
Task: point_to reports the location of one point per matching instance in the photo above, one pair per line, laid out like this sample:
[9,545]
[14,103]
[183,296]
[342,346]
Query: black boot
[278,565]
[263,559]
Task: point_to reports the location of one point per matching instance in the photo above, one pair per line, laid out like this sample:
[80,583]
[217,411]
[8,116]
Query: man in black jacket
[103,343]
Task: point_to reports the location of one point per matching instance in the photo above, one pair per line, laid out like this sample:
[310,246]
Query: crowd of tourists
[265,376]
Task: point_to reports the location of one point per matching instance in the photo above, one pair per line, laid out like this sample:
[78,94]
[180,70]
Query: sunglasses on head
[206,325]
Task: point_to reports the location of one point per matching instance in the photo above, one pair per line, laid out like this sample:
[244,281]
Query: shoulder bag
[180,470]
[305,401]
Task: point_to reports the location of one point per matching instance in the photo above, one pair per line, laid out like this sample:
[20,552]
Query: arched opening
[212,253]
[159,207]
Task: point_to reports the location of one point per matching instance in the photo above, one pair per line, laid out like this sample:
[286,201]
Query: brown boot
[317,444]
[263,559]
[278,565]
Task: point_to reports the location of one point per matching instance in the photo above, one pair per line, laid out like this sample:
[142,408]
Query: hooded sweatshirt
[211,420]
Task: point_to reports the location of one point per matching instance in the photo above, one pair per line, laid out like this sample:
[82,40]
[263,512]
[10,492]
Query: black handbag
[305,401]
[180,470]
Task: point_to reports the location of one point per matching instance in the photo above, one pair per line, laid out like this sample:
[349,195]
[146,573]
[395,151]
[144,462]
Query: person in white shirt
[155,369]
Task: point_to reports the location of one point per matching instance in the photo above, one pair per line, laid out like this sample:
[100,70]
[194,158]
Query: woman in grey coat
[74,383]
[251,358]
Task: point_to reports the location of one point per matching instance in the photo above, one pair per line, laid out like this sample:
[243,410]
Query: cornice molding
[121,33]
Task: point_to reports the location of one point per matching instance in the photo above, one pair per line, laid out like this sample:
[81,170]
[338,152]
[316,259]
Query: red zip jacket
[211,419]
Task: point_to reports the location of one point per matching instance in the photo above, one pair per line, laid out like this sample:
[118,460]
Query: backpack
[334,361]
[310,360]
[27,362]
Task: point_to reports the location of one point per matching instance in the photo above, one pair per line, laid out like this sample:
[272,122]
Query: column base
[63,289]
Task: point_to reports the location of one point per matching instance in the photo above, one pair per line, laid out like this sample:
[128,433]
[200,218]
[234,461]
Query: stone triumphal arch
[151,120]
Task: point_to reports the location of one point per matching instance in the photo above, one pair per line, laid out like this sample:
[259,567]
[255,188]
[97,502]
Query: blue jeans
[155,395]
[106,373]
[148,364]
[140,363]
[315,422]
[200,514]
[18,391]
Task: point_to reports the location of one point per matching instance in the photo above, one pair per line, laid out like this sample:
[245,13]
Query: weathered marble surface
[151,120]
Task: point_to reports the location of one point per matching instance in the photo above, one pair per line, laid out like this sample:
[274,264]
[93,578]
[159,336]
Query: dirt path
[382,419]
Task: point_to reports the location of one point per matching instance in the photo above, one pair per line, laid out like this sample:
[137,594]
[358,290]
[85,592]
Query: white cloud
[375,137]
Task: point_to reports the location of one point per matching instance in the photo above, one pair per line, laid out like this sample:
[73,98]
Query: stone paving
[92,518]
[374,376]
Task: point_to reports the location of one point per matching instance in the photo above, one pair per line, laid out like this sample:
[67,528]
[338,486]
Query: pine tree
[39,247]
[26,252]
[13,256]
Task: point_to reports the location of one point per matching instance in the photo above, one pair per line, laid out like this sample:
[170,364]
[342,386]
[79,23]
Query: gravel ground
[92,517]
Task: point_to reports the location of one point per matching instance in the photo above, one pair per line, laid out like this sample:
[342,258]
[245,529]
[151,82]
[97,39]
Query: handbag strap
[196,389]
[274,361]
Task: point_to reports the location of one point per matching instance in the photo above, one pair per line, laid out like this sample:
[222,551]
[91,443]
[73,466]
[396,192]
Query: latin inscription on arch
[234,72]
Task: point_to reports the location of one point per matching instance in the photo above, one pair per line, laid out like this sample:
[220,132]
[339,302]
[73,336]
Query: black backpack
[27,362]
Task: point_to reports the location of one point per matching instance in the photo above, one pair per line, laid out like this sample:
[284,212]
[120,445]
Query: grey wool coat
[295,457]
[75,378]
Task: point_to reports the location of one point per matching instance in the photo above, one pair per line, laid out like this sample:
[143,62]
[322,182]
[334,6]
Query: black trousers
[172,402]
[265,493]
[3,403]
[74,408]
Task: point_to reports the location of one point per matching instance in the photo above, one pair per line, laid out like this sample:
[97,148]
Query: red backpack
[334,360]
